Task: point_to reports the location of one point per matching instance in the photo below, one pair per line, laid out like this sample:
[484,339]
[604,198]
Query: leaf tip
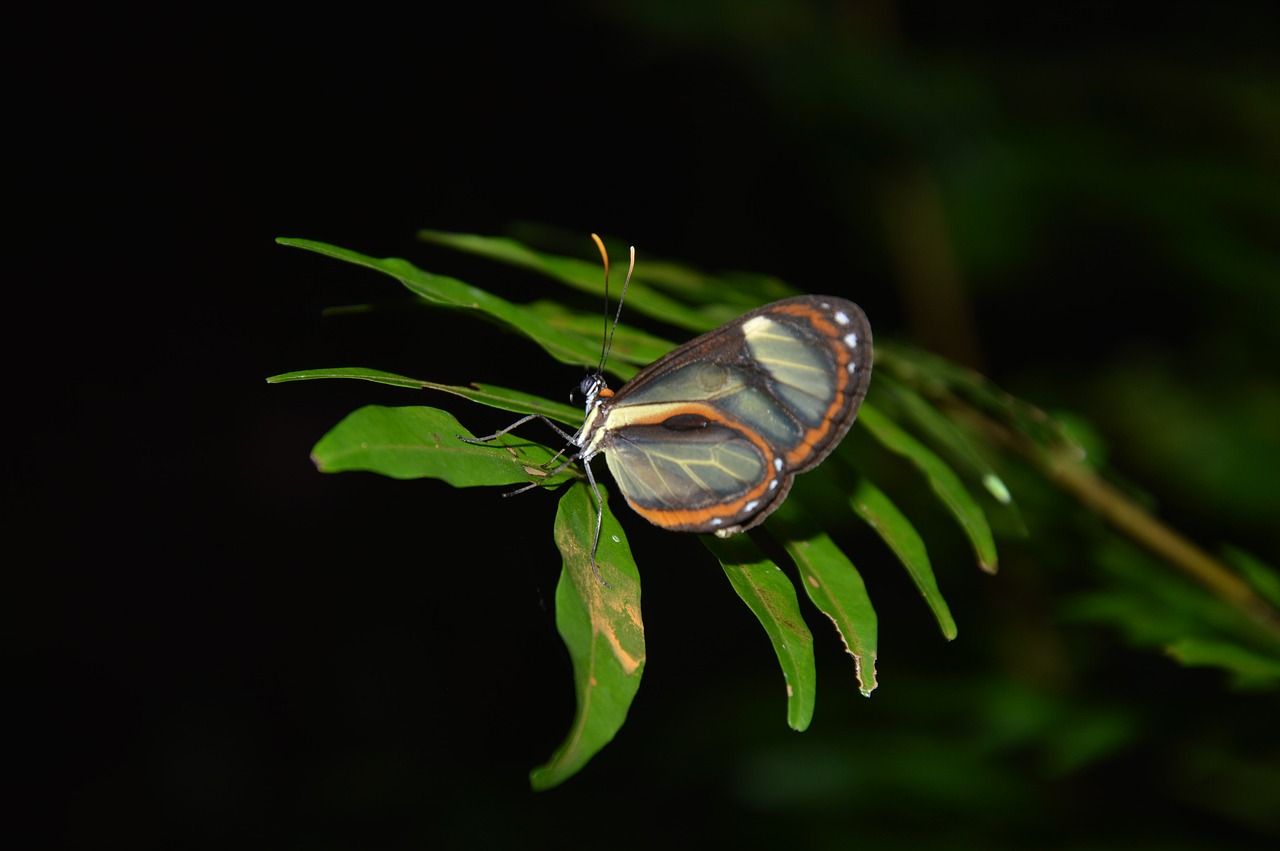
[996,487]
[541,779]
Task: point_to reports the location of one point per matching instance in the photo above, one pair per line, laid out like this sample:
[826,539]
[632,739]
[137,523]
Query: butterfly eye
[580,394]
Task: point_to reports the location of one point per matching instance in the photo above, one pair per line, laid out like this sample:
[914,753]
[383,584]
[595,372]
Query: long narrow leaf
[935,375]
[944,433]
[630,348]
[873,506]
[1264,578]
[832,583]
[515,401]
[735,290]
[772,598]
[584,275]
[502,398]
[1249,668]
[564,346]
[357,372]
[942,480]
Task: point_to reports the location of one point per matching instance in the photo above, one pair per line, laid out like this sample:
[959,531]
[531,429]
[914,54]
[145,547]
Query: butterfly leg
[550,474]
[569,438]
[595,543]
[515,425]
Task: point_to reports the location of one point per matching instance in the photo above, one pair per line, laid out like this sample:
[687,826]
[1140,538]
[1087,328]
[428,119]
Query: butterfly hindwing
[695,479]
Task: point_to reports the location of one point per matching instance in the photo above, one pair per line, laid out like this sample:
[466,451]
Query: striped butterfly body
[709,437]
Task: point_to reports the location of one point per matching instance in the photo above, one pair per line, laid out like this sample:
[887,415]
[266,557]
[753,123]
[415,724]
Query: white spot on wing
[716,521]
[851,340]
[853,367]
[842,317]
[773,483]
[777,464]
[751,506]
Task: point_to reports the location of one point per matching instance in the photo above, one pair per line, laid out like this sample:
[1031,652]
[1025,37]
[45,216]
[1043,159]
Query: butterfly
[709,437]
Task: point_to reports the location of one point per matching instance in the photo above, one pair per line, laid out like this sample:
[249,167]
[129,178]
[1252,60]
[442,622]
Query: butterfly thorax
[594,393]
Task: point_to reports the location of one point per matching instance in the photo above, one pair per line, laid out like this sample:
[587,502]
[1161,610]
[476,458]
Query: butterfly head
[591,390]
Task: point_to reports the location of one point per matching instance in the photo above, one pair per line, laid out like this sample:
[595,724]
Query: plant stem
[1133,521]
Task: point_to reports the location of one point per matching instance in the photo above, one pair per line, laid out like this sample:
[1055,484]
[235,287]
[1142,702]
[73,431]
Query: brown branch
[1132,520]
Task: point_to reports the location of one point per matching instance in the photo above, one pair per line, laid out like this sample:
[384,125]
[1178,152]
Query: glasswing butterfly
[709,437]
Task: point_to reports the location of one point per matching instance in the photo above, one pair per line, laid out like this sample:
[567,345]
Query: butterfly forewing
[709,437]
[814,353]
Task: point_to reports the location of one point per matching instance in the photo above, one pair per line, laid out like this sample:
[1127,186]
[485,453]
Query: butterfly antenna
[606,341]
[621,298]
[610,331]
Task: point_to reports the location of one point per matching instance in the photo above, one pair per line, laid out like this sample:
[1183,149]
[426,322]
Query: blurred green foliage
[1085,206]
[1087,210]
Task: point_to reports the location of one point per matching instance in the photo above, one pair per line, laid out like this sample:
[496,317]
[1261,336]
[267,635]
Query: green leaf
[502,398]
[1155,609]
[1264,578]
[736,290]
[562,345]
[936,427]
[587,276]
[419,442]
[832,583]
[602,629]
[633,347]
[936,377]
[515,401]
[358,372]
[873,506]
[942,480]
[772,598]
[1249,668]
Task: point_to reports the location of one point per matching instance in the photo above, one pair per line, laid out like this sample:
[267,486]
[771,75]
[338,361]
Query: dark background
[215,645]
